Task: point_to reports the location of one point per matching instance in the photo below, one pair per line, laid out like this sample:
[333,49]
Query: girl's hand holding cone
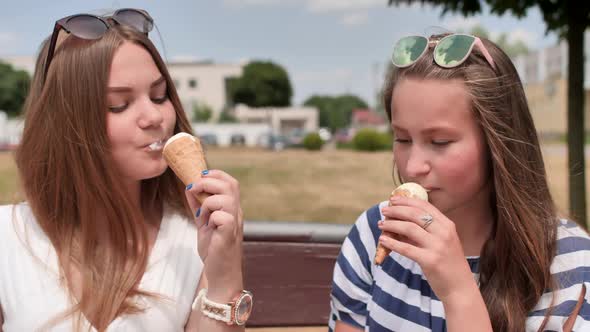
[408,189]
[431,240]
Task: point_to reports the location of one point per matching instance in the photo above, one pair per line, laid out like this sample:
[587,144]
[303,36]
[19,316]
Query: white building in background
[544,76]
[550,63]
[197,82]
[203,82]
[226,134]
[283,120]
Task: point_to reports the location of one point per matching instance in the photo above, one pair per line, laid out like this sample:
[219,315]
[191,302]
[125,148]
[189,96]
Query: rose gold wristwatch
[235,312]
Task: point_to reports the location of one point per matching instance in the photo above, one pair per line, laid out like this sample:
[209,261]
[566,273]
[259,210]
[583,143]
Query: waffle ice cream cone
[409,189]
[184,154]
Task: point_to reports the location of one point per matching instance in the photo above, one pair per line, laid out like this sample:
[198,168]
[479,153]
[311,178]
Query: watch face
[244,308]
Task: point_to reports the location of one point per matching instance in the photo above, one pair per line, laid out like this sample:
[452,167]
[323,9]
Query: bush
[371,140]
[345,145]
[312,141]
[202,112]
[226,117]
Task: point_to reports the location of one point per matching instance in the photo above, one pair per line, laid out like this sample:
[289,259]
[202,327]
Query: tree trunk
[575,120]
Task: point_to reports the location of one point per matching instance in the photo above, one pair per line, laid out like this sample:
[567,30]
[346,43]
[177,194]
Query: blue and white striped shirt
[397,297]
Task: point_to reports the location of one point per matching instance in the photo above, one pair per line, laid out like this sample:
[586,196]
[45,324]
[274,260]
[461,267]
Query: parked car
[344,135]
[278,142]
[208,139]
[273,142]
[238,139]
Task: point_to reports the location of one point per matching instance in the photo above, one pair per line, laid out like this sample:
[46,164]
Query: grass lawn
[298,185]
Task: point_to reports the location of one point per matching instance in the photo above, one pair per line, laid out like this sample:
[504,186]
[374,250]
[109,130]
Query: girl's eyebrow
[128,89]
[429,130]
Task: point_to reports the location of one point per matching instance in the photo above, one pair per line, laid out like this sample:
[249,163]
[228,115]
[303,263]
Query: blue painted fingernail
[190,185]
[198,212]
[205,172]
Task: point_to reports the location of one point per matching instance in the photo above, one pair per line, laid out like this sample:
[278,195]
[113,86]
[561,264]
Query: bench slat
[291,282]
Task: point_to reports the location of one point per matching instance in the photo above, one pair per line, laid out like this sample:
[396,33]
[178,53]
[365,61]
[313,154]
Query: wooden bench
[288,267]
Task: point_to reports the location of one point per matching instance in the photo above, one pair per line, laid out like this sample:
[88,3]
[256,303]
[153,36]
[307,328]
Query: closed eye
[402,141]
[117,109]
[160,100]
[441,142]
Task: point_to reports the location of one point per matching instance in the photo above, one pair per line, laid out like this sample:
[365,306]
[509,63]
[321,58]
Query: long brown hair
[515,260]
[70,181]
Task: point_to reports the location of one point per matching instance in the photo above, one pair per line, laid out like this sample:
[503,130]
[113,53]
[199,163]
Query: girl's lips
[156,146]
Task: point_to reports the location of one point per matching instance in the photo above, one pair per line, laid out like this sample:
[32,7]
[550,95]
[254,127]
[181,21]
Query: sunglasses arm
[51,49]
[485,52]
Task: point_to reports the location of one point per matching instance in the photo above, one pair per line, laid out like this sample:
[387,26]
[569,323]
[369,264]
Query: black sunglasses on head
[88,26]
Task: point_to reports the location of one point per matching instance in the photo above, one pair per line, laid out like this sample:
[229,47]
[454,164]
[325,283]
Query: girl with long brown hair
[109,238]
[488,252]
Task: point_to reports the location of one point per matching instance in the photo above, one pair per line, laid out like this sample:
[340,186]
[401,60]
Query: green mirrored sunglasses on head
[449,52]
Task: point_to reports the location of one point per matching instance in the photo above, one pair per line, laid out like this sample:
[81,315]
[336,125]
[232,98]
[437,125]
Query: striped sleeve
[353,276]
[571,270]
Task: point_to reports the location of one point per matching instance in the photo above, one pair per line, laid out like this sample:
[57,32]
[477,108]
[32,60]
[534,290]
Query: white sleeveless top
[31,293]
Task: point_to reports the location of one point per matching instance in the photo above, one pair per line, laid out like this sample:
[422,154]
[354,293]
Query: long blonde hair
[515,261]
[69,177]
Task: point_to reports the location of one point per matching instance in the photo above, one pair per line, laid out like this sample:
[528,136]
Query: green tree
[202,112]
[335,111]
[262,84]
[14,85]
[227,117]
[569,19]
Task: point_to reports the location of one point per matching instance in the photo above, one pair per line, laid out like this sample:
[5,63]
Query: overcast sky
[327,46]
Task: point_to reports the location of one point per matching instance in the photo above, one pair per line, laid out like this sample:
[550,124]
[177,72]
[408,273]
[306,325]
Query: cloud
[185,58]
[7,37]
[8,41]
[243,3]
[323,6]
[528,37]
[315,6]
[355,18]
[461,23]
[349,12]
[327,76]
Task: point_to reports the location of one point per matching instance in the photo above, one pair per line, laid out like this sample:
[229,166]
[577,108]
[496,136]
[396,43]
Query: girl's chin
[149,173]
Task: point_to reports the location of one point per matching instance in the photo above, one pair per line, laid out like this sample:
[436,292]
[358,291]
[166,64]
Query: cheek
[115,131]
[118,131]
[169,116]
[465,164]
[400,158]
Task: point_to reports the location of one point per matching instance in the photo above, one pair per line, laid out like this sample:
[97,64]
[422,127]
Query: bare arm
[197,322]
[219,221]
[467,312]
[343,327]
